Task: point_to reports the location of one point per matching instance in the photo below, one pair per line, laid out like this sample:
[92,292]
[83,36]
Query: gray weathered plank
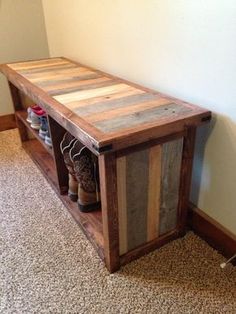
[138,118]
[68,79]
[63,91]
[170,179]
[137,165]
[114,104]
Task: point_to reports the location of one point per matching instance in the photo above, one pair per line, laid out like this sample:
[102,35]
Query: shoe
[65,146]
[48,140]
[29,111]
[38,111]
[43,127]
[86,172]
[35,121]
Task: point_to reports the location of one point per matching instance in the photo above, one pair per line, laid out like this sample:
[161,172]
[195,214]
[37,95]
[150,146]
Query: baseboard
[211,231]
[7,122]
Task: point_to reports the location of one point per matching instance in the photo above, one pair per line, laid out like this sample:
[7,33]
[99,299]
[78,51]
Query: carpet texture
[48,266]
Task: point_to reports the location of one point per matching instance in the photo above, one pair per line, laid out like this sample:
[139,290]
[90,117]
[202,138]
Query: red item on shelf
[35,107]
[38,111]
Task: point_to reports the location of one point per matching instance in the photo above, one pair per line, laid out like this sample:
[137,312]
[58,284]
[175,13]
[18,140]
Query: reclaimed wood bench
[144,141]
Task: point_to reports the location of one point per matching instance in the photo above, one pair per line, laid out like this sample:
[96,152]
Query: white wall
[185,48]
[22,37]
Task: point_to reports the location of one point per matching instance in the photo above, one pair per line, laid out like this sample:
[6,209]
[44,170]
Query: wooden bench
[144,141]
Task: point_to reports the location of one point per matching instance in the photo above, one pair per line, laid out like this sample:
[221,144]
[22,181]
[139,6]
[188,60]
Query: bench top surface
[102,110]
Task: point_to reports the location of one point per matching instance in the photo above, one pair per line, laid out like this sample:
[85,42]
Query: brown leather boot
[66,145]
[86,172]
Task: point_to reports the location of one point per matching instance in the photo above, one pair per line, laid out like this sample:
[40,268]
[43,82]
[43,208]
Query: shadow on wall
[213,170]
[203,133]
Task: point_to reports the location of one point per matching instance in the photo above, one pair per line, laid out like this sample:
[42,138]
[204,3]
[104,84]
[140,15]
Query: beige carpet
[48,266]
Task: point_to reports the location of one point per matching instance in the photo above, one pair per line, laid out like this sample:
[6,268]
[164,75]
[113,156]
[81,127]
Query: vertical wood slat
[17,103]
[186,175]
[15,95]
[170,182]
[57,133]
[154,192]
[148,193]
[122,201]
[108,188]
[137,196]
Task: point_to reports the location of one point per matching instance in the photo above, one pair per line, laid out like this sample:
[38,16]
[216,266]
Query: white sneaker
[29,111]
[35,121]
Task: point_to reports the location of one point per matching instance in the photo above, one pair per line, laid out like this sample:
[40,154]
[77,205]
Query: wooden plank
[186,175]
[154,192]
[59,74]
[151,131]
[124,110]
[81,87]
[170,183]
[71,70]
[86,106]
[76,96]
[37,64]
[15,96]
[47,68]
[170,110]
[57,132]
[137,165]
[18,105]
[66,80]
[7,122]
[65,85]
[149,144]
[108,188]
[122,204]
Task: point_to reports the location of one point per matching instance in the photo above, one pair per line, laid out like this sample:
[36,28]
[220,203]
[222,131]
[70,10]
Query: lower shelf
[91,223]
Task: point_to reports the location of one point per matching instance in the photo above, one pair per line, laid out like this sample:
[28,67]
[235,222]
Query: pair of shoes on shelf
[33,117]
[82,166]
[38,121]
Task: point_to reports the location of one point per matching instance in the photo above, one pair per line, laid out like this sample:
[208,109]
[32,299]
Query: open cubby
[22,115]
[45,158]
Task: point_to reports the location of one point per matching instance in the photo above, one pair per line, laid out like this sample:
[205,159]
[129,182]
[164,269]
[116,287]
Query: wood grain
[137,196]
[138,135]
[122,204]
[154,192]
[141,117]
[80,95]
[108,188]
[110,102]
[70,85]
[185,177]
[125,110]
[107,121]
[7,122]
[170,182]
[57,132]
